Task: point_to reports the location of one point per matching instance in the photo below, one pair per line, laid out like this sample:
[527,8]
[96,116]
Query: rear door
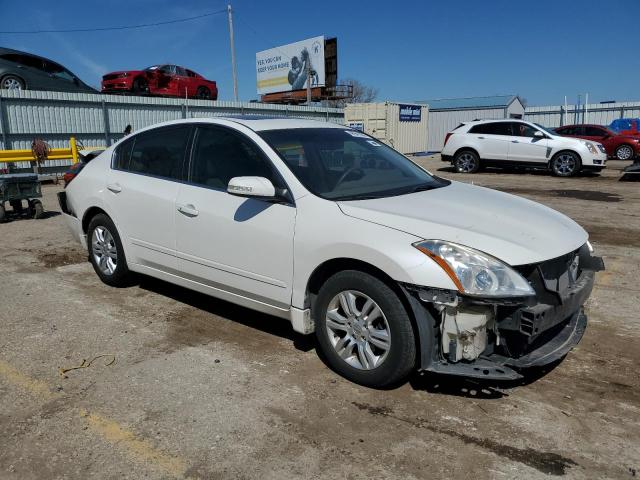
[525,147]
[241,245]
[141,191]
[492,140]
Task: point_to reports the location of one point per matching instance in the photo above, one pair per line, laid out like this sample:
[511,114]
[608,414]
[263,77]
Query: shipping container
[401,126]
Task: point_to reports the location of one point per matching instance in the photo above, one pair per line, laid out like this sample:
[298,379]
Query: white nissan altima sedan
[394,269]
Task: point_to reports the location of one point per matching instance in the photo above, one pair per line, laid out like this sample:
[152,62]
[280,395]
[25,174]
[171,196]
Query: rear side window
[122,155]
[219,155]
[494,128]
[159,153]
[594,132]
[26,60]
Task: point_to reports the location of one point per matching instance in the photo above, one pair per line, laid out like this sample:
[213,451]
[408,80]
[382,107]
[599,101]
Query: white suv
[500,143]
[325,226]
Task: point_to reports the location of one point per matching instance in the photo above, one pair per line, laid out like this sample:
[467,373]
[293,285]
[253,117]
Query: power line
[120,27]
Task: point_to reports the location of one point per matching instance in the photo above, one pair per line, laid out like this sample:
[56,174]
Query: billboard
[283,69]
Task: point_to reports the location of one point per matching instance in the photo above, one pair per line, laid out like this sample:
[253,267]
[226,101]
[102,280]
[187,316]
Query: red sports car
[167,80]
[622,147]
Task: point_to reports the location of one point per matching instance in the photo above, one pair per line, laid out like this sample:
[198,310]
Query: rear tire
[565,164]
[3,213]
[624,152]
[466,161]
[203,93]
[106,253]
[36,209]
[363,330]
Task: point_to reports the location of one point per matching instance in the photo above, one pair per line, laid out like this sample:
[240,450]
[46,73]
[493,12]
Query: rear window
[494,128]
[158,153]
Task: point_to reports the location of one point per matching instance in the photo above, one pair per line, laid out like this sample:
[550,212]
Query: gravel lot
[204,389]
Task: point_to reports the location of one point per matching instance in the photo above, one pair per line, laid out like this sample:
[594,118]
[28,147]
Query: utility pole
[233,54]
[308,81]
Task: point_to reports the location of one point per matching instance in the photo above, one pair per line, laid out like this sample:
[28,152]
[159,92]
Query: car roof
[256,123]
[495,120]
[19,52]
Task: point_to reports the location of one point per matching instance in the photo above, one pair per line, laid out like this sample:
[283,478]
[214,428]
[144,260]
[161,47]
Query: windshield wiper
[422,188]
[358,197]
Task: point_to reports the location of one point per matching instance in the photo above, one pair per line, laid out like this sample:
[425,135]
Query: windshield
[548,130]
[341,164]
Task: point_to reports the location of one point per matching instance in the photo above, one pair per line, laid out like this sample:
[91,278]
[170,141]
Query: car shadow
[250,318]
[437,384]
[11,216]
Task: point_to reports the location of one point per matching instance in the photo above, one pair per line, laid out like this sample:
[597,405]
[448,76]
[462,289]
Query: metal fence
[97,119]
[596,113]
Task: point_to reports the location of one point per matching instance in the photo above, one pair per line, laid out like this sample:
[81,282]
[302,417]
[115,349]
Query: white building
[446,114]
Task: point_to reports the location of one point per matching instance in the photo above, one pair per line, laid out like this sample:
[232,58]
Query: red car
[622,147]
[168,80]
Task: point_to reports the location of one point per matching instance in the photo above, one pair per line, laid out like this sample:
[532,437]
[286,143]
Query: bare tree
[361,93]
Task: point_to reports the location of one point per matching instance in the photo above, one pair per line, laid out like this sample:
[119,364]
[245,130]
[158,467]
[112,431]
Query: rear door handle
[481,138]
[188,210]
[114,187]
[515,141]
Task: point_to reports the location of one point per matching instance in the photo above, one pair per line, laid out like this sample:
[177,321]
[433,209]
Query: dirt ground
[192,387]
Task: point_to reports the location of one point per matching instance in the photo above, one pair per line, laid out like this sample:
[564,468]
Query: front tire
[466,161]
[140,86]
[624,152]
[565,164]
[106,253]
[363,330]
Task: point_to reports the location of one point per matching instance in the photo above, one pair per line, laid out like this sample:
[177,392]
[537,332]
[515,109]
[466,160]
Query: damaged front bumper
[519,334]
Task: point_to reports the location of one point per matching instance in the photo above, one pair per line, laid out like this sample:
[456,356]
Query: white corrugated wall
[442,122]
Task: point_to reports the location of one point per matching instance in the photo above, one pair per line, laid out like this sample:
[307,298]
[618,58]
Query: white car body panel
[264,256]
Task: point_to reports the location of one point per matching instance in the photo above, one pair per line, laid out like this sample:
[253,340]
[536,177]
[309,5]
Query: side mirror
[258,187]
[539,134]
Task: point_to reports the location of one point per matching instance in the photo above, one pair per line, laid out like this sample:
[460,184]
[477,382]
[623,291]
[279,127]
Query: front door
[492,140]
[141,191]
[241,245]
[525,147]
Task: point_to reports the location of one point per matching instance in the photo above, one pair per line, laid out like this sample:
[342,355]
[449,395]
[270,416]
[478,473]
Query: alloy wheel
[11,84]
[105,252]
[624,152]
[358,330]
[565,164]
[466,163]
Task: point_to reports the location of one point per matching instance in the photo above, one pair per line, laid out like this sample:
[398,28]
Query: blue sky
[410,50]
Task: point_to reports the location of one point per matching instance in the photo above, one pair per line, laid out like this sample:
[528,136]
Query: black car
[24,71]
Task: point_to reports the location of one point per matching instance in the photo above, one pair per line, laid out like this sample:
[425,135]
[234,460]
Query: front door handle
[480,138]
[515,141]
[188,210]
[114,187]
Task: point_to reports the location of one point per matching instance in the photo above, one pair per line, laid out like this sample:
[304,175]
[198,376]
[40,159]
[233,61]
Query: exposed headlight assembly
[474,272]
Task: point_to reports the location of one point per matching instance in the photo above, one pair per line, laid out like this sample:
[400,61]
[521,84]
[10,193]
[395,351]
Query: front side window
[594,132]
[219,155]
[159,152]
[493,128]
[523,130]
[340,164]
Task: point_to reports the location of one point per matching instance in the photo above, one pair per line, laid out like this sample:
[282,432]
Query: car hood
[513,229]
